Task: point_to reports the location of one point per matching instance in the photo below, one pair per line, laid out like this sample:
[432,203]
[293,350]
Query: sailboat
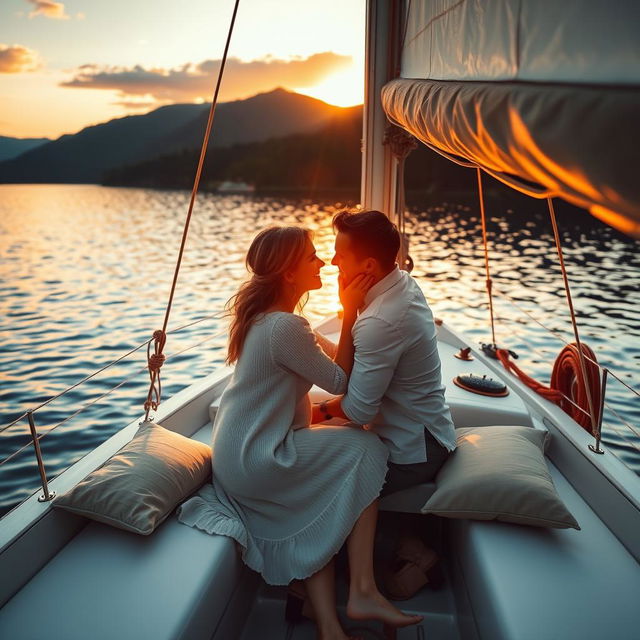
[543,96]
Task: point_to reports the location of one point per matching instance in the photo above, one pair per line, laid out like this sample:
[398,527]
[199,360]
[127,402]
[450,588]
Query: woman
[288,493]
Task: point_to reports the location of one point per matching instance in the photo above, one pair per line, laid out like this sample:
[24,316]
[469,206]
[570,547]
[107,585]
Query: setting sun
[343,89]
[87,75]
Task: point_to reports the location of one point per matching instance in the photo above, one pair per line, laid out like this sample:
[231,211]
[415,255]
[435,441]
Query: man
[395,386]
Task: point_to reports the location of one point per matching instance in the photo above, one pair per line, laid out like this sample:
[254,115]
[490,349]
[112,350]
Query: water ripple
[85,274]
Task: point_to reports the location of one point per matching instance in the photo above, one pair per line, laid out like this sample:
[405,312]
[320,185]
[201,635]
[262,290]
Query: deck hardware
[481,385]
[46,496]
[598,433]
[464,354]
[491,350]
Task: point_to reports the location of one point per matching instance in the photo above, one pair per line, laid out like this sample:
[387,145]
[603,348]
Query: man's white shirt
[395,386]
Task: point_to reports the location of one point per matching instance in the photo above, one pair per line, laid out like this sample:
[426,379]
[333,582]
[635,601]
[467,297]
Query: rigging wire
[218,334]
[581,357]
[551,331]
[624,422]
[488,281]
[156,360]
[215,316]
[73,386]
[545,356]
[73,415]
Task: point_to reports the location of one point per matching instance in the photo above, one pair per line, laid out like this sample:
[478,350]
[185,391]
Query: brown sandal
[415,566]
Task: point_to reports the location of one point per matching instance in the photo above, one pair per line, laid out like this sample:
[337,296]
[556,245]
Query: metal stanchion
[46,496]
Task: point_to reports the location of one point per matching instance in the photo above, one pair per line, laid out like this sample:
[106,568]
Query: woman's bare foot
[374,606]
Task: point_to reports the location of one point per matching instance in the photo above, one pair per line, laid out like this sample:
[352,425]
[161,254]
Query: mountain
[85,156]
[274,114]
[13,147]
[327,158]
[88,155]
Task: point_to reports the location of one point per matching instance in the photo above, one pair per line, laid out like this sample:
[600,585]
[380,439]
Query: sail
[539,91]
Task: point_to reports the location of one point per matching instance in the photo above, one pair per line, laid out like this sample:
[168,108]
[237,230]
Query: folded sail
[544,91]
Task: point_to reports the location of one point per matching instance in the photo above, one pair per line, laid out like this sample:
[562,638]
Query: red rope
[567,381]
[567,377]
[549,393]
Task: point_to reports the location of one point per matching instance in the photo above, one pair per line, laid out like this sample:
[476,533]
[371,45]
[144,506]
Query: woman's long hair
[273,251]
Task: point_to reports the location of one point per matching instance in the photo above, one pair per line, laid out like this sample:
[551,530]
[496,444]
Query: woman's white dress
[287,492]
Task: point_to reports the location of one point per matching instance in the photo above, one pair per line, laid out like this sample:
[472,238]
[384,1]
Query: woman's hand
[352,295]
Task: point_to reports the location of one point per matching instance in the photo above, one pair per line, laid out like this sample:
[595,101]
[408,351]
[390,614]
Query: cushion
[138,487]
[499,473]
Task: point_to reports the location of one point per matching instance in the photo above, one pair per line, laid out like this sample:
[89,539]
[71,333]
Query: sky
[68,65]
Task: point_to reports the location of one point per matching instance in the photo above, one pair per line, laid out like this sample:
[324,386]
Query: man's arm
[378,347]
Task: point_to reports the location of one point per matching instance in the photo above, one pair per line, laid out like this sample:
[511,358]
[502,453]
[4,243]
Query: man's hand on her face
[352,294]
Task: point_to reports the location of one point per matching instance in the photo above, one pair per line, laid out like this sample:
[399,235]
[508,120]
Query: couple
[287,488]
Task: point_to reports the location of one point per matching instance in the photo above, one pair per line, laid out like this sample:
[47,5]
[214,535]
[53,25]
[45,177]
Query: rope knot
[156,360]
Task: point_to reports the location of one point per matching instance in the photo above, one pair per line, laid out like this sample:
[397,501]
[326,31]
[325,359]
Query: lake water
[85,273]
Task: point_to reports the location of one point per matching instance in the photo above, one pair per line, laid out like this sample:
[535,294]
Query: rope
[583,366]
[486,256]
[156,360]
[566,377]
[549,393]
[216,315]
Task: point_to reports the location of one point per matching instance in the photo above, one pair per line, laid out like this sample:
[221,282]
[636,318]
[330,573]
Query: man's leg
[403,476]
[403,581]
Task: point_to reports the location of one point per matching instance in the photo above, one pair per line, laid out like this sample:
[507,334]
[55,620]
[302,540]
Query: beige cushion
[141,484]
[499,473]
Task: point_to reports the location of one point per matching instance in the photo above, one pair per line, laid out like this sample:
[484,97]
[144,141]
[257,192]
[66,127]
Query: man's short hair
[372,235]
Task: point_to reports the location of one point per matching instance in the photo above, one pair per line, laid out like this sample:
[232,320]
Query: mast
[379,167]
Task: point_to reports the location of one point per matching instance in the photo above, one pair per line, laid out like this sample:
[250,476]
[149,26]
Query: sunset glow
[83,62]
[343,89]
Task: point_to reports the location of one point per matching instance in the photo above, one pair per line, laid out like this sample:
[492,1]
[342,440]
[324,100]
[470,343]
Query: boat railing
[30,414]
[605,372]
[36,437]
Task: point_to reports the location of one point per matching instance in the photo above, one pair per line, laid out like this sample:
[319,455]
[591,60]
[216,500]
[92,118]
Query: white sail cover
[543,90]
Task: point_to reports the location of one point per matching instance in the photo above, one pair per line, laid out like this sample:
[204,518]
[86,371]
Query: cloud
[48,9]
[18,59]
[192,82]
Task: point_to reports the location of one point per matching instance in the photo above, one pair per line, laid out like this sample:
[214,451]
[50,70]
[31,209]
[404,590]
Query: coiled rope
[156,359]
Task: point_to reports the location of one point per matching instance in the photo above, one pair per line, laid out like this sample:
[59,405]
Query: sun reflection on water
[85,273]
